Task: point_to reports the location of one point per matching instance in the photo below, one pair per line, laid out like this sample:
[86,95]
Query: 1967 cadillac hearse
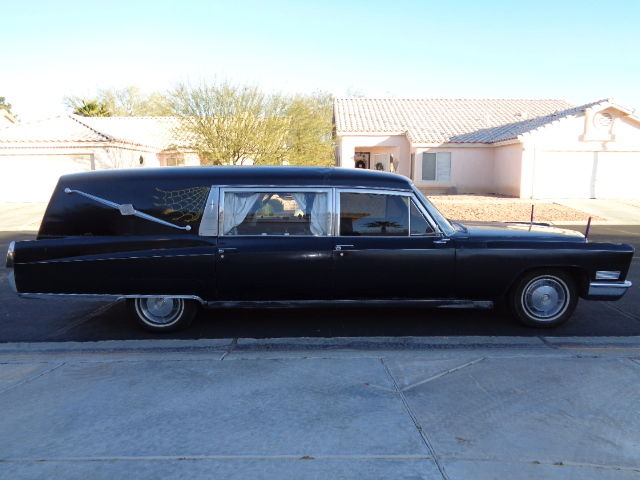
[169,240]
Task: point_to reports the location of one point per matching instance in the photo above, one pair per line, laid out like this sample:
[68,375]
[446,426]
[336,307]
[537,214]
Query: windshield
[442,222]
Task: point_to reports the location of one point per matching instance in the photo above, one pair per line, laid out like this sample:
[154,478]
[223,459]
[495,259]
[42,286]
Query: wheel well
[577,274]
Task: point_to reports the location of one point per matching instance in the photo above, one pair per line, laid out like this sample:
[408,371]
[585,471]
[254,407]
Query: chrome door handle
[442,241]
[222,251]
[342,247]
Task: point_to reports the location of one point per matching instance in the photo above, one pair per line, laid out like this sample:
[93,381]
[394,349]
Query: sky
[580,51]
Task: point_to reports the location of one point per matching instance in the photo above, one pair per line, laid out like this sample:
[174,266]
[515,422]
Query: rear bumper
[607,290]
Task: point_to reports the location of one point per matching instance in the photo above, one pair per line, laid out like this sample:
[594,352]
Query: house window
[436,166]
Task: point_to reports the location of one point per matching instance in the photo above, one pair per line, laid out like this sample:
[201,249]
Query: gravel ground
[489,208]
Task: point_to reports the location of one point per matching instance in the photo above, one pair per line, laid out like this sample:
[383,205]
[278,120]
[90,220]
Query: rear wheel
[162,314]
[543,298]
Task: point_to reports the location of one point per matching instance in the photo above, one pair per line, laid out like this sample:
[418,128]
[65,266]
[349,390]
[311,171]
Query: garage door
[563,174]
[587,175]
[32,178]
[618,175]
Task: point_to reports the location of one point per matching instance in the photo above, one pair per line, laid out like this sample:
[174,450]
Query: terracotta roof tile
[154,132]
[449,120]
[157,132]
[64,128]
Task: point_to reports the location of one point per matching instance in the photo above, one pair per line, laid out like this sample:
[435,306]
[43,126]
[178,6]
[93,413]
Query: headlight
[11,255]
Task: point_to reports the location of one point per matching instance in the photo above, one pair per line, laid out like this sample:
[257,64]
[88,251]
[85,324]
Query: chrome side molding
[432,303]
[125,209]
[106,296]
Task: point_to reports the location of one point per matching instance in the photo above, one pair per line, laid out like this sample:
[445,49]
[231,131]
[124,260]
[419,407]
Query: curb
[309,344]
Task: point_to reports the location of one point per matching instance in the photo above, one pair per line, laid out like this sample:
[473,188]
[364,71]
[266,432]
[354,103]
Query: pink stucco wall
[507,169]
[471,169]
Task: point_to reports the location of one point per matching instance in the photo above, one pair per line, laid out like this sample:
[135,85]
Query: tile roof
[154,132]
[450,120]
[64,128]
[158,132]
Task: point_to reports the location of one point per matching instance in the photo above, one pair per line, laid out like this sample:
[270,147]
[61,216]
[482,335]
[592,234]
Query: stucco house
[34,154]
[521,148]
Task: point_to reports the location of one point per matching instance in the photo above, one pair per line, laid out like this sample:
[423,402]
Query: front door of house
[381,162]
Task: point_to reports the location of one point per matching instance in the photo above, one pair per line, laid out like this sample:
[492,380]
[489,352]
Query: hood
[519,231]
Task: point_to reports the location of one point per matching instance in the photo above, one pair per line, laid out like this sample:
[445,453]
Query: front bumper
[12,281]
[607,290]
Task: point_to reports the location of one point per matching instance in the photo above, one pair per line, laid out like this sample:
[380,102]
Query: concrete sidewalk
[373,408]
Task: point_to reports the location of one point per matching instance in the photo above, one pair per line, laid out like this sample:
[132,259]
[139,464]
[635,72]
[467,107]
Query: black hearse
[169,240]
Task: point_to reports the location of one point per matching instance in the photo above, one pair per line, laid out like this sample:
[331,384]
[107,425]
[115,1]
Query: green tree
[92,108]
[230,124]
[310,136]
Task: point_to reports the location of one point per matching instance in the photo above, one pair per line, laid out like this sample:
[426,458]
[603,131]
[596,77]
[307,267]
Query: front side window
[276,213]
[419,224]
[373,214]
[436,166]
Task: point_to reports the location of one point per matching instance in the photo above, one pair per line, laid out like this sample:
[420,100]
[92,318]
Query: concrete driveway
[21,217]
[620,212]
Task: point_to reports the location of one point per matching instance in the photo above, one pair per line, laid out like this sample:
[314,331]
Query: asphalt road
[36,320]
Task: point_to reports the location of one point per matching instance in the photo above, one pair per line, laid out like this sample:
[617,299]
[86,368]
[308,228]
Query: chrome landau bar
[125,209]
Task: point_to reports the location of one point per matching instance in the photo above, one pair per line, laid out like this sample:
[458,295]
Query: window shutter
[443,167]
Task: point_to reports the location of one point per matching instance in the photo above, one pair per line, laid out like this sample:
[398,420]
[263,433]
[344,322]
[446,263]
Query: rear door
[274,244]
[387,247]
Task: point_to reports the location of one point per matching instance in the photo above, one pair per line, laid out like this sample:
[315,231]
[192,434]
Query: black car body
[170,239]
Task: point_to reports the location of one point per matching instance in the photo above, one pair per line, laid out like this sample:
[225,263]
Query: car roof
[253,176]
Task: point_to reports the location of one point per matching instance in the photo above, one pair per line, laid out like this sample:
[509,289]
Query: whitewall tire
[162,314]
[543,298]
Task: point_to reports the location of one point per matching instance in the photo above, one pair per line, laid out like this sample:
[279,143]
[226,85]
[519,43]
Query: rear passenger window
[373,214]
[275,213]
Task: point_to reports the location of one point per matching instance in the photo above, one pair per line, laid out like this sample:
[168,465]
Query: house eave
[390,133]
[75,144]
[465,144]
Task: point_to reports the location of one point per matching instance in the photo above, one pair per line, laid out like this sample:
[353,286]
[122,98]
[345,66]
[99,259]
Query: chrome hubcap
[545,298]
[160,310]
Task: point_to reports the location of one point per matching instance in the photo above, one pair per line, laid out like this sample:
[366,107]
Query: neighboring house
[33,155]
[521,148]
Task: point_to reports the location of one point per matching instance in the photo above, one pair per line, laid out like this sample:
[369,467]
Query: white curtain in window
[236,208]
[320,215]
[301,200]
[319,211]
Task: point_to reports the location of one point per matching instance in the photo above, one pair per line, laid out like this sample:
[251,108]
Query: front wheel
[544,298]
[162,314]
